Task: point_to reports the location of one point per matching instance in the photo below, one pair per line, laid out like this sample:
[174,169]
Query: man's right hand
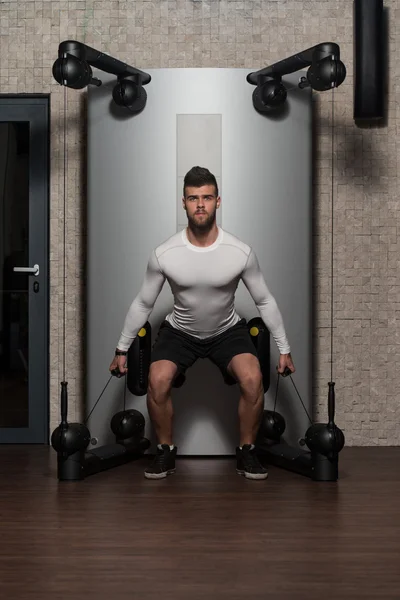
[119,362]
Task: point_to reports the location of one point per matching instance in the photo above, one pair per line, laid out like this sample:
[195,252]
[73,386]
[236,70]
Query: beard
[202,224]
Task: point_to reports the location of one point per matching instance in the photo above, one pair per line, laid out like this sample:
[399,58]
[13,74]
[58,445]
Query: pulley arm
[297,61]
[99,60]
[325,72]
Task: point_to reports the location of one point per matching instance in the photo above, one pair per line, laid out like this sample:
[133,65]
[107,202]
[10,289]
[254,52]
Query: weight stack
[369,60]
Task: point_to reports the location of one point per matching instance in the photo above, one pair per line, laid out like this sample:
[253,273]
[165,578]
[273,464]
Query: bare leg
[251,406]
[246,370]
[159,400]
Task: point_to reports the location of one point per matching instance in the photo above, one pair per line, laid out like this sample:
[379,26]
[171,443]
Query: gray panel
[266,202]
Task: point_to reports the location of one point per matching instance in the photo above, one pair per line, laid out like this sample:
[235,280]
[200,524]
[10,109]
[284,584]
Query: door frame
[37,109]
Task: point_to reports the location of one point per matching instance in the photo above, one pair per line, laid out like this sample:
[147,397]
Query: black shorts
[184,349]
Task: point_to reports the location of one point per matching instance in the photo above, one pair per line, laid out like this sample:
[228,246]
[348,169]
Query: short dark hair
[199,176]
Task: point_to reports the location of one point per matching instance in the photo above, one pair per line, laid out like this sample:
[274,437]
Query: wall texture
[249,34]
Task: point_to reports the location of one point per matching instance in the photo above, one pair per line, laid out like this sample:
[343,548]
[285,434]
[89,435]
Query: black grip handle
[117,373]
[286,372]
[64,402]
[331,402]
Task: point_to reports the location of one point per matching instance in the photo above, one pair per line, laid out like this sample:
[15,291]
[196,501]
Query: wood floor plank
[203,533]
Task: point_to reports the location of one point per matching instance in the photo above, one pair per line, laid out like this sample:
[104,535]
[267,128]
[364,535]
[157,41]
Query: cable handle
[286,372]
[64,403]
[117,373]
[331,403]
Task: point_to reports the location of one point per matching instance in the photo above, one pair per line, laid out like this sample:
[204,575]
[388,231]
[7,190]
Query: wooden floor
[204,533]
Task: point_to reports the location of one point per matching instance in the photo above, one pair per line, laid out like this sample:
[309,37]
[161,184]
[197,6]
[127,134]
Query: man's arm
[143,304]
[266,304]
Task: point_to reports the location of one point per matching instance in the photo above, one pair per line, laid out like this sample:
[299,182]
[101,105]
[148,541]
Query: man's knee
[247,372]
[161,376]
[252,382]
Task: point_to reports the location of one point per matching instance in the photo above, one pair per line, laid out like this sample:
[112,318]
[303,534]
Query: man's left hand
[285,360]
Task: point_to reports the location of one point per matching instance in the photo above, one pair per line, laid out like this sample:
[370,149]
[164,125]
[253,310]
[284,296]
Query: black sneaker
[248,463]
[163,463]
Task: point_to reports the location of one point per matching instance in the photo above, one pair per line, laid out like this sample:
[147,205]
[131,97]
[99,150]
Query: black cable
[294,385]
[332,217]
[125,385]
[65,260]
[332,260]
[276,392]
[64,231]
[332,241]
[97,401]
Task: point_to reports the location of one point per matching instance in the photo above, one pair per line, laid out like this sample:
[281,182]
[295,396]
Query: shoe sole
[159,475]
[252,475]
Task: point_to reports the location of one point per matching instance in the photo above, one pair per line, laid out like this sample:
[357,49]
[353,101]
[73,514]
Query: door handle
[31,270]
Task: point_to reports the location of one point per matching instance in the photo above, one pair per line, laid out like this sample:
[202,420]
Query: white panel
[199,143]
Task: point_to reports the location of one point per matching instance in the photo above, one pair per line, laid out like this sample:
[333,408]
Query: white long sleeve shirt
[203,282]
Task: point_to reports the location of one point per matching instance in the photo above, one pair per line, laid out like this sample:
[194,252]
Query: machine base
[82,464]
[313,465]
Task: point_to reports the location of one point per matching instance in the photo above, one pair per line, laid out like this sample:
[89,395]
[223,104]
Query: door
[24,218]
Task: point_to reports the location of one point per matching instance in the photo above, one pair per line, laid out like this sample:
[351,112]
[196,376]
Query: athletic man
[203,265]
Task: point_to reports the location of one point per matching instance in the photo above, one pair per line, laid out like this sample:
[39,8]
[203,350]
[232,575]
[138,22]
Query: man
[203,265]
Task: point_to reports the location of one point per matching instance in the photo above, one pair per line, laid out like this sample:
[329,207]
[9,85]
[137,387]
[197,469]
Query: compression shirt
[203,282]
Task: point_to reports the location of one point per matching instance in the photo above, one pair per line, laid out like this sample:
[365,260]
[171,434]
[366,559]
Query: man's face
[201,205]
